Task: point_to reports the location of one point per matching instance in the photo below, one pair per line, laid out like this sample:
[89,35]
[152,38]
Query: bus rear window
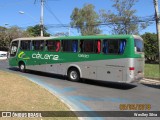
[138,45]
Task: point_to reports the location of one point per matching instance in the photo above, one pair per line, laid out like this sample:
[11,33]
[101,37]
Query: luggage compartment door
[108,73]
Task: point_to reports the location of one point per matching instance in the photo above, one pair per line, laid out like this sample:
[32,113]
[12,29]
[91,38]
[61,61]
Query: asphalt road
[94,95]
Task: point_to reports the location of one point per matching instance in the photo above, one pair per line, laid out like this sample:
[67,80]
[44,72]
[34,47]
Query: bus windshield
[138,45]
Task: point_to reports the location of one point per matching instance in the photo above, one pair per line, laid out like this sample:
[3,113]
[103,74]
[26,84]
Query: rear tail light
[131,68]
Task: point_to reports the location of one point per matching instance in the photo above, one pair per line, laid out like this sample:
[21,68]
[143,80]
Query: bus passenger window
[75,46]
[81,46]
[114,46]
[70,46]
[88,46]
[98,46]
[105,47]
[122,46]
[38,45]
[25,45]
[58,46]
[67,45]
[53,45]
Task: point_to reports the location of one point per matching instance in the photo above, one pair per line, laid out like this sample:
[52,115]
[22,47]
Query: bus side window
[105,46]
[81,46]
[88,46]
[113,46]
[53,45]
[58,46]
[31,46]
[75,46]
[66,46]
[38,45]
[98,46]
[122,46]
[25,45]
[49,45]
[70,45]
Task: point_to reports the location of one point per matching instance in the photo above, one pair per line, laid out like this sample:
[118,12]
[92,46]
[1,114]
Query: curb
[149,81]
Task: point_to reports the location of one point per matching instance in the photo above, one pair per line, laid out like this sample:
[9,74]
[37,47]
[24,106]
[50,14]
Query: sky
[62,9]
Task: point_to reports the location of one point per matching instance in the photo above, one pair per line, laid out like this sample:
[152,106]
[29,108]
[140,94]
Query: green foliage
[2,38]
[151,46]
[36,31]
[151,71]
[124,20]
[86,20]
[8,34]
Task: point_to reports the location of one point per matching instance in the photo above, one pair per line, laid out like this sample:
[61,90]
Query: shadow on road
[122,86]
[153,86]
[42,74]
[116,85]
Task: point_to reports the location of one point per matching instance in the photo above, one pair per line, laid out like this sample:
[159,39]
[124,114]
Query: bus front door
[13,53]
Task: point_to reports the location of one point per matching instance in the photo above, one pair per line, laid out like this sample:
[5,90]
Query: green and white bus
[117,58]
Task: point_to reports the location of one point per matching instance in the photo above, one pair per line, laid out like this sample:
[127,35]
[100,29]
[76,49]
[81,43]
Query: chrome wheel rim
[73,75]
[22,67]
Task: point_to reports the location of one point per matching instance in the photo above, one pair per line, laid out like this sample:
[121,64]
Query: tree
[124,20]
[150,46]
[85,20]
[2,38]
[8,34]
[15,32]
[36,31]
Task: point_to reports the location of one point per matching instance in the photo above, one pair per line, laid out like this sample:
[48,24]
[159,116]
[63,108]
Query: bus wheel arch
[73,74]
[22,66]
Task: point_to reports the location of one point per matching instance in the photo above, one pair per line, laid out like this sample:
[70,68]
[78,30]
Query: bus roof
[34,38]
[100,37]
[83,37]
[137,37]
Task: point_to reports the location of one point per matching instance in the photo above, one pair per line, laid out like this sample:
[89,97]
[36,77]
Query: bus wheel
[22,67]
[73,75]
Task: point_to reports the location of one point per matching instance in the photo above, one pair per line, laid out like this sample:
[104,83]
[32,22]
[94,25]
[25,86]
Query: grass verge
[19,94]
[152,71]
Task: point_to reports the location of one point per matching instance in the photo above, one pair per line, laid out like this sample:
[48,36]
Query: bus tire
[73,75]
[22,67]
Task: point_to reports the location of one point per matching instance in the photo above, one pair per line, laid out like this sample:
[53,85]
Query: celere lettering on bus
[45,56]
